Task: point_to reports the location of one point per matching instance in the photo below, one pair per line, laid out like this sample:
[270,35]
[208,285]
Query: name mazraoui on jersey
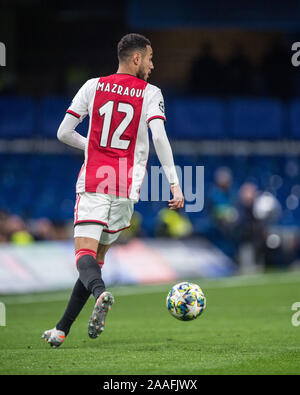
[120,89]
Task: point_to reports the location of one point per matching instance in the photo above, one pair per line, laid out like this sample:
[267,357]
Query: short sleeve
[156,107]
[80,103]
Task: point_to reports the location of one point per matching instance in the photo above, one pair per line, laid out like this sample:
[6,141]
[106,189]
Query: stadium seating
[36,186]
[294,119]
[18,117]
[43,185]
[187,118]
[196,118]
[256,119]
[51,112]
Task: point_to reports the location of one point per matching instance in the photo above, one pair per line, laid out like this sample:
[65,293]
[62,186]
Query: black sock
[90,275]
[77,300]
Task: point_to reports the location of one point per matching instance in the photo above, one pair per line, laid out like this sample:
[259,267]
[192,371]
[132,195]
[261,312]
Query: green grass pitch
[245,329]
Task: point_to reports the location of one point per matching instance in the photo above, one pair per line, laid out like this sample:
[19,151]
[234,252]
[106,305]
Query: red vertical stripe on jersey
[80,172]
[108,170]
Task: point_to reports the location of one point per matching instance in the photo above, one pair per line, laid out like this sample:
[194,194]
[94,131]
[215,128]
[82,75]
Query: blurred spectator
[274,77]
[239,74]
[222,197]
[75,77]
[205,75]
[3,234]
[135,229]
[13,229]
[266,208]
[8,81]
[222,211]
[277,71]
[64,230]
[242,225]
[291,248]
[43,229]
[282,249]
[252,231]
[173,224]
[17,231]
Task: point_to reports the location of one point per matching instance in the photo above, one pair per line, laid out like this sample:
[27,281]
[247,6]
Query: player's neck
[126,70]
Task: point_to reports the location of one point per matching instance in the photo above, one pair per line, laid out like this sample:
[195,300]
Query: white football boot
[54,337]
[97,320]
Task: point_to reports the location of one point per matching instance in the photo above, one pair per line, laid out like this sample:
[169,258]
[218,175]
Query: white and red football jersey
[120,107]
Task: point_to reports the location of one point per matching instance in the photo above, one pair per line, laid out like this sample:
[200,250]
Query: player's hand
[178,199]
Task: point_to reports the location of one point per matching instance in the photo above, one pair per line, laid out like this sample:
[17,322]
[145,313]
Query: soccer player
[121,107]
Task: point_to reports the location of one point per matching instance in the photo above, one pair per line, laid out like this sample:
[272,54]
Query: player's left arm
[164,152]
[155,116]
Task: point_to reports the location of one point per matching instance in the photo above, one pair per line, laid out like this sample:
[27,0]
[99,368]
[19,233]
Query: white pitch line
[231,282]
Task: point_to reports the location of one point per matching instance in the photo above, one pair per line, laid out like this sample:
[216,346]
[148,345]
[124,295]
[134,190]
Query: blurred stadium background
[232,101]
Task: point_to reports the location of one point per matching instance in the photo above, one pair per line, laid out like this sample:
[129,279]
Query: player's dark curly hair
[130,43]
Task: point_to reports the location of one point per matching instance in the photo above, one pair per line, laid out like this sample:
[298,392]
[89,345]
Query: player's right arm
[67,134]
[75,114]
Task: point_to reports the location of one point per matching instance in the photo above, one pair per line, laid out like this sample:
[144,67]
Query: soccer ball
[186,301]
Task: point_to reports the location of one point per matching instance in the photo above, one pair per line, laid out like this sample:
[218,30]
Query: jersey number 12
[107,112]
